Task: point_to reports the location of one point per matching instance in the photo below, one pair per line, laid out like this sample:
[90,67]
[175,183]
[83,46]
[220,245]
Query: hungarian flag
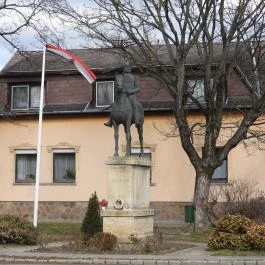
[79,64]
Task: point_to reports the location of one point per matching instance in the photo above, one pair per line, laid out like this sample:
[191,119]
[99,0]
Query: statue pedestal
[128,183]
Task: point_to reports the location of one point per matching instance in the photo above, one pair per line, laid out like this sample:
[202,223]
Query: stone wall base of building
[164,212]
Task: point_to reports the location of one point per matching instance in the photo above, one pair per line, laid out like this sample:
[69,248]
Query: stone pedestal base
[128,212]
[138,222]
[129,180]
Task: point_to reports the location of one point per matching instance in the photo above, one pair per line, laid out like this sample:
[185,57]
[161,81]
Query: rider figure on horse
[130,84]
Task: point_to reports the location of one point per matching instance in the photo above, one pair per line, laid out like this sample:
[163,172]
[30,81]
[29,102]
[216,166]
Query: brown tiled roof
[97,59]
[32,61]
[101,60]
[107,59]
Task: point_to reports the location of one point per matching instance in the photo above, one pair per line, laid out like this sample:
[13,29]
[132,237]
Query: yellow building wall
[172,172]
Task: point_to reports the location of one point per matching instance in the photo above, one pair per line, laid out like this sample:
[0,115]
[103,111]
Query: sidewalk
[196,255]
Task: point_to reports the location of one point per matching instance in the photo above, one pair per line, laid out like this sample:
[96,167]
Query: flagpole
[37,181]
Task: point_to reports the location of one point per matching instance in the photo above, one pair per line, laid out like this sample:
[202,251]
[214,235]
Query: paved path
[193,256]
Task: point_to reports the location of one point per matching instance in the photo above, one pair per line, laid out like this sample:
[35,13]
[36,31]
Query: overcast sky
[29,42]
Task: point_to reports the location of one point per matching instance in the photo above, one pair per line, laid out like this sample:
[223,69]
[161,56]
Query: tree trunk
[201,195]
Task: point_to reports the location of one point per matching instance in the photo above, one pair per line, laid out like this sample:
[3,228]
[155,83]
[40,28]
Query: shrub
[92,222]
[239,197]
[222,240]
[256,237]
[103,241]
[256,209]
[236,224]
[147,244]
[237,232]
[15,230]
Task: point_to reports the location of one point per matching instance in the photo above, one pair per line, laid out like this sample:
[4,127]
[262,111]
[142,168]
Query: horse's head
[118,85]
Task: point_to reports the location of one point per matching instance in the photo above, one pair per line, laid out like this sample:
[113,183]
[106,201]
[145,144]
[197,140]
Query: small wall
[169,212]
[165,212]
[48,211]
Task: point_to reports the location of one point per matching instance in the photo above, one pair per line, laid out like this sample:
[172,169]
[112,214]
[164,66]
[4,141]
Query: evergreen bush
[16,230]
[92,222]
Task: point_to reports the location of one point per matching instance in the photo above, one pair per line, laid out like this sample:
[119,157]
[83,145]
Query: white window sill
[45,184]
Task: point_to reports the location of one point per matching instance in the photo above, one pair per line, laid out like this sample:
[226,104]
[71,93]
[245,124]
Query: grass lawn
[186,234]
[70,232]
[51,232]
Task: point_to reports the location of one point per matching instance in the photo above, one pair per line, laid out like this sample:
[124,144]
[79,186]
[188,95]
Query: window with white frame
[104,93]
[221,173]
[135,151]
[64,165]
[25,97]
[25,165]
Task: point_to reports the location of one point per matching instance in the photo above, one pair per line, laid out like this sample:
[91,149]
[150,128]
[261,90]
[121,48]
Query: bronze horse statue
[123,112]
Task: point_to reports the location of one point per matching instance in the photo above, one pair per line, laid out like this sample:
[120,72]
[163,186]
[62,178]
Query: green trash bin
[189,213]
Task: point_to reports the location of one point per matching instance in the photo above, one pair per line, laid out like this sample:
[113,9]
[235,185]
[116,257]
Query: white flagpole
[37,181]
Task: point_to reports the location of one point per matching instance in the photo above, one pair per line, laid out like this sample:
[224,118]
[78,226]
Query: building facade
[76,144]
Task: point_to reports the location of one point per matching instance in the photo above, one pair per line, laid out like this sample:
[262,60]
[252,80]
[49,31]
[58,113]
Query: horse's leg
[128,138]
[116,137]
[140,134]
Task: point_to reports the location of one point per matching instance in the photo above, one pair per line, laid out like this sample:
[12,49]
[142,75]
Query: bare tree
[16,16]
[242,196]
[161,37]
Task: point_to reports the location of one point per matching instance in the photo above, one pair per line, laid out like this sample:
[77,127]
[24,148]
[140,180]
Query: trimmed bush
[92,222]
[104,241]
[236,224]
[256,237]
[222,240]
[237,232]
[16,230]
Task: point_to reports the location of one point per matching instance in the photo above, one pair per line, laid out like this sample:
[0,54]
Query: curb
[191,256]
[115,261]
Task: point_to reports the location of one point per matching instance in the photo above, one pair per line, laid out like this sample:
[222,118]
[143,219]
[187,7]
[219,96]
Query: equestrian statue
[126,109]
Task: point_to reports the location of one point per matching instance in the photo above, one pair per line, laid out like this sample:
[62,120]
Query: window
[104,93]
[64,165]
[25,97]
[34,100]
[25,165]
[135,151]
[196,89]
[220,173]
